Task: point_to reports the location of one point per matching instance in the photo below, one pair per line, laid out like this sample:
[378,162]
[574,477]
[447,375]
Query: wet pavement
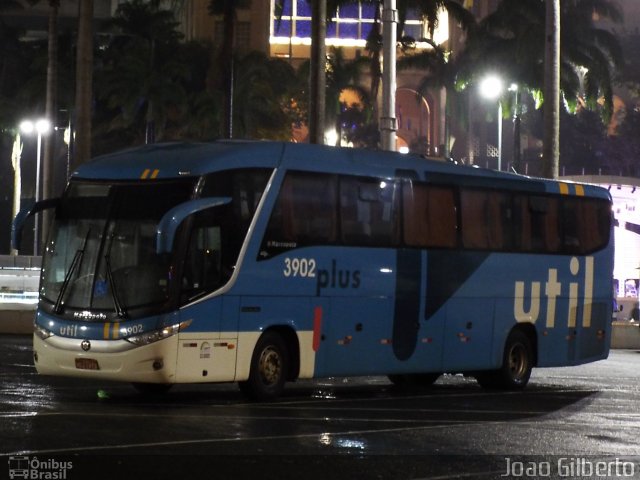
[569,422]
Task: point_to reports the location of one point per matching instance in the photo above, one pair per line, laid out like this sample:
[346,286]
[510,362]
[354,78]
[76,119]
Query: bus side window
[537,218]
[547,225]
[499,220]
[430,218]
[305,213]
[368,212]
[593,225]
[522,224]
[485,219]
[474,215]
[571,221]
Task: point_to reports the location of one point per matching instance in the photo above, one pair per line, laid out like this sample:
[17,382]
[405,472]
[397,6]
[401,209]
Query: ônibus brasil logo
[36,469]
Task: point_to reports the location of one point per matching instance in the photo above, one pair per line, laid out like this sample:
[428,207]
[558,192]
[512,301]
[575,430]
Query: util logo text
[552,290]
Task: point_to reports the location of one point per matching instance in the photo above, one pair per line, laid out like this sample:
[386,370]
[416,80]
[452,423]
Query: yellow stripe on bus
[148,173]
[105,330]
[580,190]
[116,330]
[564,188]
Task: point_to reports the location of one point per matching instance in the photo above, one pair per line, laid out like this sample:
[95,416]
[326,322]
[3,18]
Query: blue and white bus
[265,262]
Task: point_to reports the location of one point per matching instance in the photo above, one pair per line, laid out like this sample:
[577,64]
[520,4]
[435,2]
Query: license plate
[87,364]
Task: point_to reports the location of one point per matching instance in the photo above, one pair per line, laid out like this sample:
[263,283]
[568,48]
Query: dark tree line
[151,85]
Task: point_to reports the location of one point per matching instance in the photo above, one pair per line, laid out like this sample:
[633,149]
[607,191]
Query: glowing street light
[41,127]
[491,88]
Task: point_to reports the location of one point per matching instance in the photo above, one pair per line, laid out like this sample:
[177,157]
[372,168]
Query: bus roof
[183,159]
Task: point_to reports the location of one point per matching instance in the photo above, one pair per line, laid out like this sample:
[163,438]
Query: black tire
[152,388]
[517,363]
[414,380]
[269,367]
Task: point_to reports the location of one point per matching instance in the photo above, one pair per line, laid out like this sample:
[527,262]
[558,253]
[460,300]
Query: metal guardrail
[19,278]
[20,261]
[27,298]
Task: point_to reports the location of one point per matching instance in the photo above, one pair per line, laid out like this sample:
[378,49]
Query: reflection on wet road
[345,427]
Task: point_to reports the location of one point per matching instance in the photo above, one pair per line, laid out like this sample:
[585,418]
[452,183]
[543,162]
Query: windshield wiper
[120,311]
[77,260]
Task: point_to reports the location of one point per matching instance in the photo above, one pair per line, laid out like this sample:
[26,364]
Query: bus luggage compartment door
[468,334]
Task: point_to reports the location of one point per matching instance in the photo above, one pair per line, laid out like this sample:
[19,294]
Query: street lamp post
[41,127]
[491,88]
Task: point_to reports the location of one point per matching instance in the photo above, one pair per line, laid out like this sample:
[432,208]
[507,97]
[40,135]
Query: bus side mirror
[169,223]
[18,223]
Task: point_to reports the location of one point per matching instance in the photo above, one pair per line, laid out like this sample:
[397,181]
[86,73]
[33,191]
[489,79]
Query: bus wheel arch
[273,362]
[529,330]
[290,338]
[518,359]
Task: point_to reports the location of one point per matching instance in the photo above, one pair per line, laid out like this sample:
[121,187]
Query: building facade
[287,34]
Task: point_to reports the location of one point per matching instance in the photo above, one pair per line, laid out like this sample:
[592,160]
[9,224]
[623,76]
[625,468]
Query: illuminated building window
[350,26]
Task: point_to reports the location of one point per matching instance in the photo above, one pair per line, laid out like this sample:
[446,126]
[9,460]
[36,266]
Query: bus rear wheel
[268,370]
[517,363]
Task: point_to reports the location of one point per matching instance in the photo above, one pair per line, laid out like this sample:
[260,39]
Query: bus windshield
[101,252]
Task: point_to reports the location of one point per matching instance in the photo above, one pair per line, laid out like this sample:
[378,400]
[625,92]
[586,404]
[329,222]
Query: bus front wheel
[268,370]
[517,363]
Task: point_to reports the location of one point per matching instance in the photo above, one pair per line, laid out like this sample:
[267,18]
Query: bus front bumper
[107,359]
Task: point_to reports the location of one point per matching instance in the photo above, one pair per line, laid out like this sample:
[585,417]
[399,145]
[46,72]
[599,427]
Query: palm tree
[228,10]
[14,59]
[511,40]
[317,73]
[429,11]
[551,142]
[262,94]
[143,76]
[9,42]
[84,80]
[202,116]
[50,110]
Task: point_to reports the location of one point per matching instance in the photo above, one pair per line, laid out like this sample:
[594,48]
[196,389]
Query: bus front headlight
[42,333]
[157,335]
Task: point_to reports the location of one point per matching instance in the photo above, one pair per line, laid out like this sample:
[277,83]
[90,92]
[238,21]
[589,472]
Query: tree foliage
[142,79]
[511,41]
[262,97]
[145,73]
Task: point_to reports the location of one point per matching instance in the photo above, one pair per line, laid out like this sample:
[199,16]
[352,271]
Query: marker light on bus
[157,335]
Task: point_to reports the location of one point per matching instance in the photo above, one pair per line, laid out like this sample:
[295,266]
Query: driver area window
[203,270]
